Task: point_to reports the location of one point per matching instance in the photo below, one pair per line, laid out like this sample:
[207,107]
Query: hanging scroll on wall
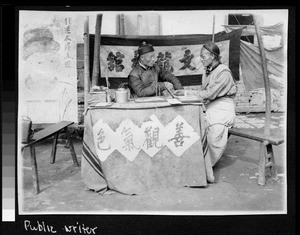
[47,67]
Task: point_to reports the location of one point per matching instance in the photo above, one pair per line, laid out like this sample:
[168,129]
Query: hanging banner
[47,67]
[179,54]
[179,60]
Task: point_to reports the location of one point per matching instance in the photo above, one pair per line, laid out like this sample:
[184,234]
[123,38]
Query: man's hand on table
[179,92]
[169,86]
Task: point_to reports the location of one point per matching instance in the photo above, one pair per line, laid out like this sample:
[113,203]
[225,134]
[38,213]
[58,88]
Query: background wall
[179,22]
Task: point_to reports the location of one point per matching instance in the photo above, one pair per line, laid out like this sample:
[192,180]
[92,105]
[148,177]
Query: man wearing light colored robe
[218,93]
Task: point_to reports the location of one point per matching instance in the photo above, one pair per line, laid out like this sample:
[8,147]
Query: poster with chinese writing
[181,60]
[47,67]
[179,54]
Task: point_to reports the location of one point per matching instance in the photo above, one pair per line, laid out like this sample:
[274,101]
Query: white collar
[144,66]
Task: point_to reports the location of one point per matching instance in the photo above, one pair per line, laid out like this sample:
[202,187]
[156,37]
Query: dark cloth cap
[145,48]
[213,48]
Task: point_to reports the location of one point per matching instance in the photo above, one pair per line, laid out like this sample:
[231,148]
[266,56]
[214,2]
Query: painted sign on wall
[47,67]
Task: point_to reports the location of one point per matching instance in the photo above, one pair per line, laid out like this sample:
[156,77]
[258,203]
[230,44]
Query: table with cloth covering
[134,148]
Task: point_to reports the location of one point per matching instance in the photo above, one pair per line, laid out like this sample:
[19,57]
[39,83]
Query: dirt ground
[235,191]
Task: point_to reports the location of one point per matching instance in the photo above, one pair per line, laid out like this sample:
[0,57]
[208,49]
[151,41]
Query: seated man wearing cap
[218,93]
[149,79]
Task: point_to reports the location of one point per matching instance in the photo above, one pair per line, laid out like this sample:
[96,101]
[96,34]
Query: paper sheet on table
[101,104]
[174,101]
[189,99]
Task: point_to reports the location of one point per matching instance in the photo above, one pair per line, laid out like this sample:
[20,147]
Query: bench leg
[67,144]
[262,164]
[54,147]
[74,157]
[271,162]
[34,169]
[266,161]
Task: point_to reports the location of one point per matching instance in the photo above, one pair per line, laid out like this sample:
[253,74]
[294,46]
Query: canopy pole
[96,61]
[86,63]
[213,30]
[266,77]
[121,25]
[139,24]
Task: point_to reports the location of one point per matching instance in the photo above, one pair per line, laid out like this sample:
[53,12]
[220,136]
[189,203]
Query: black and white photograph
[169,112]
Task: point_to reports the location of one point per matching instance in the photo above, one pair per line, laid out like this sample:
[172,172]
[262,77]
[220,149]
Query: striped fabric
[92,159]
[204,144]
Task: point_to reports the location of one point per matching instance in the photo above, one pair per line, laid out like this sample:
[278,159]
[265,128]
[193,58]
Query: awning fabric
[251,68]
[276,29]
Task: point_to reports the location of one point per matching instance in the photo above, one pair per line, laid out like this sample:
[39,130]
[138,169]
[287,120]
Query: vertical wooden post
[86,62]
[139,24]
[213,31]
[122,25]
[266,77]
[159,25]
[96,61]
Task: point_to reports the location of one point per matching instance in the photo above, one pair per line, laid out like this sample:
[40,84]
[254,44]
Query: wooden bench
[266,154]
[42,135]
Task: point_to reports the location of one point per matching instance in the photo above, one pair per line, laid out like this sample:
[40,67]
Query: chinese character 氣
[128,139]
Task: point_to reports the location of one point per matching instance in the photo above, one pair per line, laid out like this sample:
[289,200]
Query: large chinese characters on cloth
[47,67]
[179,54]
[138,150]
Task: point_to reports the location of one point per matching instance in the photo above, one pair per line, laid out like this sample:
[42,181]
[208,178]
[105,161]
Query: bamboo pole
[139,24]
[122,25]
[86,62]
[213,30]
[266,77]
[96,61]
[159,25]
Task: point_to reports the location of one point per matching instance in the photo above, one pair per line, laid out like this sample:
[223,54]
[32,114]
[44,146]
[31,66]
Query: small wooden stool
[43,135]
[266,154]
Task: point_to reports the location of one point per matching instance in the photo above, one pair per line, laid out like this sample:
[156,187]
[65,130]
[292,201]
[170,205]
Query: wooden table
[133,148]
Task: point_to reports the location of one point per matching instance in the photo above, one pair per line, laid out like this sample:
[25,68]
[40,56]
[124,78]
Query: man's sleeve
[138,87]
[168,77]
[221,86]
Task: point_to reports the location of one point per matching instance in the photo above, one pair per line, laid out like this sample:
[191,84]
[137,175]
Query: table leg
[54,147]
[74,157]
[34,169]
